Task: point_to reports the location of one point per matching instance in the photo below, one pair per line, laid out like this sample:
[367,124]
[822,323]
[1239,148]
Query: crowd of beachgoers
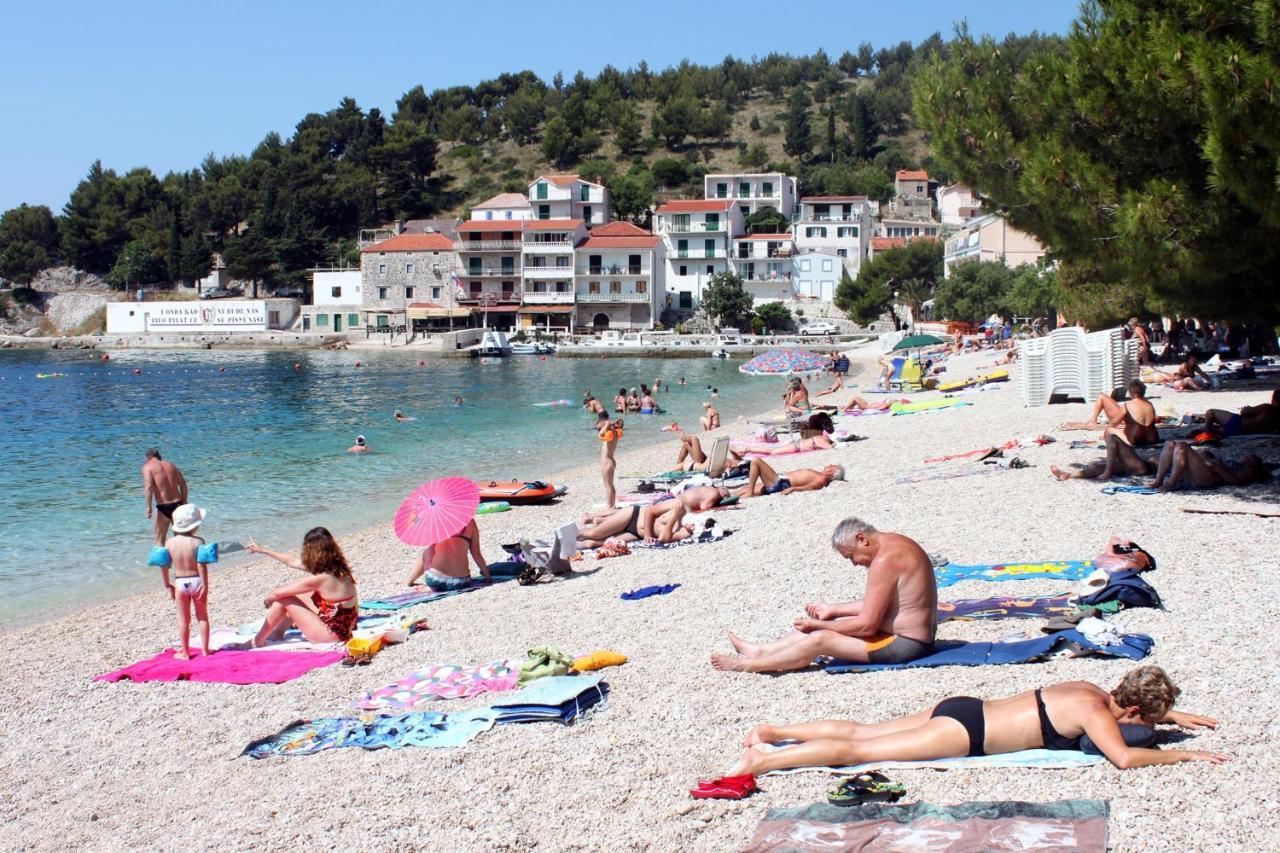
[871,536]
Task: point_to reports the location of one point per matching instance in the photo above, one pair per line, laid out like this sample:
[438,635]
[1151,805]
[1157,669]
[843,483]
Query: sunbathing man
[1134,422]
[1263,419]
[1122,460]
[895,622]
[1187,377]
[1182,466]
[1052,717]
[763,480]
[659,522]
[691,456]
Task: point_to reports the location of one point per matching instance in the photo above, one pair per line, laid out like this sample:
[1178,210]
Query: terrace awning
[429,310]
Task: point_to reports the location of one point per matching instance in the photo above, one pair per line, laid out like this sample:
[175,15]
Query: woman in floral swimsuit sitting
[323,606]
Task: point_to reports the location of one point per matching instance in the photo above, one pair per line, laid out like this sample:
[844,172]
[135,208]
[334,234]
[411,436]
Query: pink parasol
[437,511]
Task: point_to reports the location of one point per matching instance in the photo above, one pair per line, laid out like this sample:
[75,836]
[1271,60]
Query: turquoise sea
[262,445]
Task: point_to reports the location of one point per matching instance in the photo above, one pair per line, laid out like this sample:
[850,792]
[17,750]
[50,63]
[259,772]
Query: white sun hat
[187,518]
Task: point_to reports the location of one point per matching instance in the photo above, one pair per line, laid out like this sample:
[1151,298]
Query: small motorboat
[518,493]
[720,353]
[493,344]
[533,349]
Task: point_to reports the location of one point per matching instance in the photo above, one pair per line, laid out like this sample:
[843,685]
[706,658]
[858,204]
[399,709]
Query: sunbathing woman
[820,441]
[710,417]
[1053,717]
[1122,461]
[1187,377]
[861,404]
[445,563]
[1181,466]
[322,606]
[796,400]
[1134,422]
[631,524]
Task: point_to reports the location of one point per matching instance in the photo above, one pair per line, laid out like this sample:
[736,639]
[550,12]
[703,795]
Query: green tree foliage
[863,302]
[628,131]
[1143,150]
[755,157]
[675,120]
[249,257]
[775,316]
[669,172]
[136,264]
[975,291]
[798,140]
[523,113]
[767,220]
[911,271]
[862,130]
[563,146]
[1034,292]
[28,242]
[632,195]
[726,300]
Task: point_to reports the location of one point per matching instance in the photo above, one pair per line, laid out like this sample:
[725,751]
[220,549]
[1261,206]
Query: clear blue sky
[162,84]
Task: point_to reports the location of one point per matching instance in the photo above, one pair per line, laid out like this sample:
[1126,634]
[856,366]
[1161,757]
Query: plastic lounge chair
[908,377]
[718,457]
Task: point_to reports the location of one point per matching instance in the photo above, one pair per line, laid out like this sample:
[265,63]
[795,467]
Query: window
[408,293]
[382,321]
[766,188]
[711,269]
[746,211]
[815,231]
[804,265]
[353,320]
[382,269]
[382,293]
[584,193]
[586,212]
[633,264]
[541,190]
[642,287]
[508,288]
[684,270]
[474,289]
[682,248]
[744,189]
[508,214]
[722,190]
[408,269]
[709,246]
[435,293]
[335,292]
[826,265]
[680,222]
[474,265]
[562,263]
[847,231]
[713,221]
[544,211]
[615,287]
[488,214]
[844,253]
[593,287]
[322,319]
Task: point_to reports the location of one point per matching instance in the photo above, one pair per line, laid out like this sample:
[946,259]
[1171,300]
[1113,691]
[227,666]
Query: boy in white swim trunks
[190,577]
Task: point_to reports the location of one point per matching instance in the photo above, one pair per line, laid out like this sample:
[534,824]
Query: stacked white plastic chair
[1076,364]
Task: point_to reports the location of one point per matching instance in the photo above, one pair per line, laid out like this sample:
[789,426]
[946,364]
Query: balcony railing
[559,245]
[615,269]
[625,296]
[547,297]
[828,217]
[769,253]
[746,195]
[699,253]
[507,296]
[465,246]
[698,227]
[780,278]
[492,272]
[548,272]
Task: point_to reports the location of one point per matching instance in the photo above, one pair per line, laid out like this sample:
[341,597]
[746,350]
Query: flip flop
[872,787]
[725,788]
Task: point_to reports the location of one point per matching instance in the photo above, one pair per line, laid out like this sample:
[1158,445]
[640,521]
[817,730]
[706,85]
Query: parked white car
[819,327]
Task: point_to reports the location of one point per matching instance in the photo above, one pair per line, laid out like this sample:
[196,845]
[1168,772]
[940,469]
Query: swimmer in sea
[359,446]
[401,416]
[457,400]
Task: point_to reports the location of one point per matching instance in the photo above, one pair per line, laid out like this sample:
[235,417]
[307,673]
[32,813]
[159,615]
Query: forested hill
[843,125]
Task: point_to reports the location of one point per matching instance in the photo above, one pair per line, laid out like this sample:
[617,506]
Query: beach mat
[1039,606]
[928,406]
[501,572]
[1115,489]
[1043,759]
[1066,570]
[441,681]
[1034,650]
[225,667]
[1062,825]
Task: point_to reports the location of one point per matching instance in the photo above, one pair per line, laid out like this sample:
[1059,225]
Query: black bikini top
[1048,734]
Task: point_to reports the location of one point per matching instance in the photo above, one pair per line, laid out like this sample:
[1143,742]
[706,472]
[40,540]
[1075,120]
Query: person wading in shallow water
[163,484]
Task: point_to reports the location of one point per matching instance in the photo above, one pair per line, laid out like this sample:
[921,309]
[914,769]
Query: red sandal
[726,788]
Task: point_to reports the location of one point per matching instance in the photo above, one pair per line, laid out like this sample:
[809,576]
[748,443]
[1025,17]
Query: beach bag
[1125,587]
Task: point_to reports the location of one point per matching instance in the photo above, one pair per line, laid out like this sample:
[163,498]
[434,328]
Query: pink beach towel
[226,667]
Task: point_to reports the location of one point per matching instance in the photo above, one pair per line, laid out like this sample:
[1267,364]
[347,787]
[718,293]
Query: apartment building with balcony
[764,263]
[569,197]
[753,191]
[489,268]
[911,196]
[817,274]
[619,276]
[547,264]
[909,229]
[696,234]
[990,238]
[957,205]
[508,207]
[838,224]
[407,280]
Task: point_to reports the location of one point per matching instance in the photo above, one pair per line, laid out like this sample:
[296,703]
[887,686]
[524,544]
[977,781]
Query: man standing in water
[163,484]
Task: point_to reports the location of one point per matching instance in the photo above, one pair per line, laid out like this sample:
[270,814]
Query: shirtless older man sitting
[1134,423]
[659,522]
[1262,419]
[763,480]
[895,621]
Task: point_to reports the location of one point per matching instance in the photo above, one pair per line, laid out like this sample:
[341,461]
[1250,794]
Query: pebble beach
[92,765]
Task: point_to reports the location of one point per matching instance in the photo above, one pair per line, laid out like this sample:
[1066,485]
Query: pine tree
[798,140]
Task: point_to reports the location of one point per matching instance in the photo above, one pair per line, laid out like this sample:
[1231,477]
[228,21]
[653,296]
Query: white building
[507,207]
[547,260]
[957,204]
[569,197]
[991,238]
[838,224]
[817,274]
[489,257]
[619,274]
[763,262]
[697,235]
[336,300]
[753,191]
[201,316]
[909,228]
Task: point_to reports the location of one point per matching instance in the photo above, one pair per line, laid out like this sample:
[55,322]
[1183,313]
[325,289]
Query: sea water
[263,445]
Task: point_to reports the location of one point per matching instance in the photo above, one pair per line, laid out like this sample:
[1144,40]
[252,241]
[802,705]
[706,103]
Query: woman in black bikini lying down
[1054,717]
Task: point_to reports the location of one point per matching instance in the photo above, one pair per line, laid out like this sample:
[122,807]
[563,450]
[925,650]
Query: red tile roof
[881,243]
[697,205]
[644,241]
[912,175]
[552,224]
[829,198]
[413,243]
[476,225]
[558,180]
[619,229]
[503,200]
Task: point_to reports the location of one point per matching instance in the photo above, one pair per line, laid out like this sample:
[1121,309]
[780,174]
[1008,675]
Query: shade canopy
[782,361]
[437,511]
